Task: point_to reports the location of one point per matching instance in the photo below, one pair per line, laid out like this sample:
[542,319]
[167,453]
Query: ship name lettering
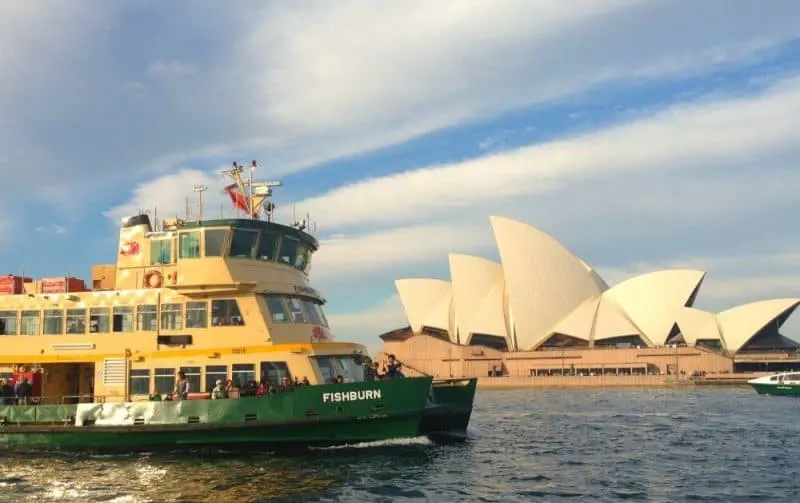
[306,290]
[352,396]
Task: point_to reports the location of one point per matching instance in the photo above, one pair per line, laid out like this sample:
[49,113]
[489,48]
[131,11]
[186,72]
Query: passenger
[339,379]
[181,387]
[286,385]
[6,392]
[219,392]
[23,391]
[305,381]
[263,388]
[393,368]
[375,372]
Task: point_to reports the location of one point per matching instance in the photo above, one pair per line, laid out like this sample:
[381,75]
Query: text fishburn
[351,396]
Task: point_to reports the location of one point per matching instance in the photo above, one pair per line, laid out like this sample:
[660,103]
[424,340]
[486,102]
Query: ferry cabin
[219,299]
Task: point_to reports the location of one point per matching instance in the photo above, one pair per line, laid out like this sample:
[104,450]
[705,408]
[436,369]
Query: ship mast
[255,194]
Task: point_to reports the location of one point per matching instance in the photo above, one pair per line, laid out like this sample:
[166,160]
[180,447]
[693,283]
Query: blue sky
[642,134]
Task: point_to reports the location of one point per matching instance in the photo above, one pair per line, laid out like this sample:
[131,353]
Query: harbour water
[670,445]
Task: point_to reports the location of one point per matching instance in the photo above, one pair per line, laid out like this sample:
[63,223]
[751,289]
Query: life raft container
[153,279]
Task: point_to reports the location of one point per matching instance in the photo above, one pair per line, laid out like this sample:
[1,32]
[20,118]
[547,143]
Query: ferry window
[243,243]
[123,319]
[160,251]
[310,308]
[215,242]
[299,314]
[300,259]
[30,323]
[225,313]
[243,373]
[98,320]
[351,368]
[171,315]
[165,380]
[8,323]
[322,318]
[53,321]
[325,366]
[193,376]
[146,318]
[273,372]
[277,309]
[214,372]
[76,321]
[288,250]
[267,246]
[139,382]
[197,314]
[189,244]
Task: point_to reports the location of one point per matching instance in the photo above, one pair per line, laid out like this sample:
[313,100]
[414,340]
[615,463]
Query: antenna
[199,189]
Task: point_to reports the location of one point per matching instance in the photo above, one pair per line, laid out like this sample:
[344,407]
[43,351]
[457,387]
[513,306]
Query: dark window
[312,312]
[29,323]
[301,257]
[165,380]
[278,309]
[215,242]
[243,373]
[288,250]
[351,368]
[171,316]
[193,376]
[214,373]
[296,308]
[197,314]
[99,320]
[147,318]
[225,313]
[53,321]
[123,319]
[267,246]
[273,372]
[243,243]
[76,321]
[8,323]
[139,382]
[160,251]
[189,244]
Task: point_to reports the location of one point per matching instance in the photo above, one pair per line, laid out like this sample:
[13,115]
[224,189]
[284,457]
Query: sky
[642,134]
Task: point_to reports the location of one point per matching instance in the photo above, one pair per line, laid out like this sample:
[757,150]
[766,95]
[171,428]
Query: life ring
[152,279]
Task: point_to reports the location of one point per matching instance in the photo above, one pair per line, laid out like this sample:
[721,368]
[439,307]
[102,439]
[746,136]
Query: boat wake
[397,442]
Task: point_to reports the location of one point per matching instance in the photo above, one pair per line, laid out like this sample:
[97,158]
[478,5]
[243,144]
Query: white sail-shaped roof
[478,286]
[426,302]
[611,322]
[739,324]
[654,300]
[545,281]
[696,324]
[580,322]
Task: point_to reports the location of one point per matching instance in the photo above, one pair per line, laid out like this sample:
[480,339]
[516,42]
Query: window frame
[49,315]
[164,373]
[276,245]
[223,245]
[121,313]
[228,315]
[72,315]
[253,244]
[189,322]
[185,239]
[27,315]
[151,311]
[171,312]
[211,376]
[4,317]
[161,241]
[268,368]
[194,375]
[95,317]
[237,372]
[138,375]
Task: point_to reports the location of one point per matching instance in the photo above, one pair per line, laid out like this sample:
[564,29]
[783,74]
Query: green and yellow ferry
[215,305]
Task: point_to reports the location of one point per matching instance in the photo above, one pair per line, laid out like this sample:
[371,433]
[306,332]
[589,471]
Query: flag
[237,198]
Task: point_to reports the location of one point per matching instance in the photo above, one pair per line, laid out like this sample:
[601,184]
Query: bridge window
[273,372]
[189,244]
[197,314]
[225,312]
[53,321]
[147,318]
[289,309]
[171,316]
[267,246]
[76,321]
[288,251]
[8,323]
[193,376]
[243,373]
[160,251]
[30,322]
[99,320]
[139,382]
[302,257]
[278,309]
[123,319]
[243,243]
[214,372]
[215,242]
[165,380]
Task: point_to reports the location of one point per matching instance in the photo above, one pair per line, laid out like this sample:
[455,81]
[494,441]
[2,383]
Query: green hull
[776,389]
[449,408]
[313,415]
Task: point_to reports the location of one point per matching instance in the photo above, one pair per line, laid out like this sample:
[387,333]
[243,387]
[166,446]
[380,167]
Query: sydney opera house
[544,311]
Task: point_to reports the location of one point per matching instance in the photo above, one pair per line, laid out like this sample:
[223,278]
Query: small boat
[204,333]
[780,384]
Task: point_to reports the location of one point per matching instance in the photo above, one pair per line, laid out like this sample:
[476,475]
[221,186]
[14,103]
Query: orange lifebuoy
[152,279]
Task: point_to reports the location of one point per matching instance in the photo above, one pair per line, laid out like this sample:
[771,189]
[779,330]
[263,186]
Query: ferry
[782,384]
[203,333]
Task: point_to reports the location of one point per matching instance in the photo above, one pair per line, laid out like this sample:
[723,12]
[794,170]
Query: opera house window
[139,382]
[99,320]
[160,251]
[225,312]
[243,243]
[267,246]
[8,323]
[215,242]
[165,380]
[171,315]
[76,321]
[197,314]
[146,318]
[53,321]
[123,319]
[189,244]
[29,323]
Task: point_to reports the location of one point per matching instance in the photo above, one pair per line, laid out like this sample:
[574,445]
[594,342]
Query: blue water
[671,445]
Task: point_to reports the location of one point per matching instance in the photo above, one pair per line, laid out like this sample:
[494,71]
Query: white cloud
[169,68]
[51,229]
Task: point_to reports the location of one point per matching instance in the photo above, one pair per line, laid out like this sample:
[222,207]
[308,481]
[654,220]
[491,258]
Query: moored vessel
[780,384]
[203,333]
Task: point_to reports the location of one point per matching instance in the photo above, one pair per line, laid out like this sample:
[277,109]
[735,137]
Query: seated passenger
[219,391]
[263,388]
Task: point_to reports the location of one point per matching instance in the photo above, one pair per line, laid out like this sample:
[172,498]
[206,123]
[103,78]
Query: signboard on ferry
[352,396]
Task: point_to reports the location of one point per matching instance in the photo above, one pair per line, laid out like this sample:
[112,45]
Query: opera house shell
[542,296]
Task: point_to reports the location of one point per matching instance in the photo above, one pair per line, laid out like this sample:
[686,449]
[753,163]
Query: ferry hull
[314,415]
[776,389]
[448,413]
